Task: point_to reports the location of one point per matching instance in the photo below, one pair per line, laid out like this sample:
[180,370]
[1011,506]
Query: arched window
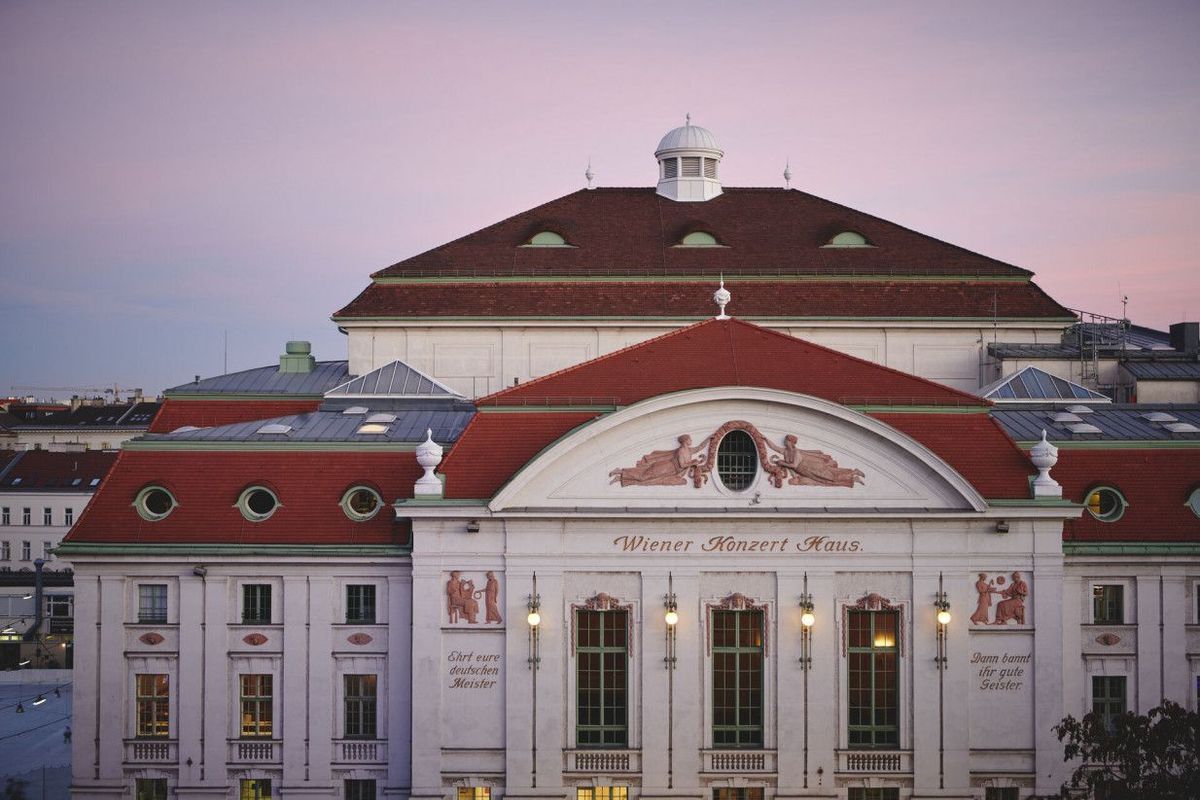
[737,460]
[547,239]
[848,239]
[699,239]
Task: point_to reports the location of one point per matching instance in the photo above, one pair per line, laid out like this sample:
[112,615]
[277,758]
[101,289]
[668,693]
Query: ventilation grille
[670,168]
[691,166]
[710,168]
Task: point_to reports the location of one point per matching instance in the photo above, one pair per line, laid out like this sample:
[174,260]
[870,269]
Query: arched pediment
[806,455]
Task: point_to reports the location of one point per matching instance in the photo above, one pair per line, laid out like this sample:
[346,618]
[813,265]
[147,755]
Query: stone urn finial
[429,455]
[722,297]
[1044,456]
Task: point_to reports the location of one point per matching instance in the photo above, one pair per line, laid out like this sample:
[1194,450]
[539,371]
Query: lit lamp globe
[943,617]
[534,619]
[807,619]
[672,618]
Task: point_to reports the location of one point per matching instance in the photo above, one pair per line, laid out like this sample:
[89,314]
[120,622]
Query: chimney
[296,358]
[1185,337]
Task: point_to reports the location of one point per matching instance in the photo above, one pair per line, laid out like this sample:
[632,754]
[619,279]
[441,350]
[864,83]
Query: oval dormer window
[360,503]
[257,503]
[154,503]
[737,461]
[1106,503]
[849,239]
[547,239]
[699,239]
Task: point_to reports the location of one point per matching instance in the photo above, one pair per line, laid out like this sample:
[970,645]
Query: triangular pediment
[789,452]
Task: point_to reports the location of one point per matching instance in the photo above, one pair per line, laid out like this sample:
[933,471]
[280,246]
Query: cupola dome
[688,161]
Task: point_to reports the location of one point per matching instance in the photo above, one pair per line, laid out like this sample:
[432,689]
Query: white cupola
[688,162]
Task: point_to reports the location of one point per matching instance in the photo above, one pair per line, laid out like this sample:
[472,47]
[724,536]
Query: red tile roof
[206,485]
[495,446]
[760,299]
[729,353]
[176,413]
[45,469]
[633,231]
[1155,482]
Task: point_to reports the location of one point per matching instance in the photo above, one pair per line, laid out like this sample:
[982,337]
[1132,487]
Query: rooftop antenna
[225,367]
[787,174]
[687,119]
[589,174]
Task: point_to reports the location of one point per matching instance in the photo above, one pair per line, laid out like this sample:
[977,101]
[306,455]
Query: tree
[1134,756]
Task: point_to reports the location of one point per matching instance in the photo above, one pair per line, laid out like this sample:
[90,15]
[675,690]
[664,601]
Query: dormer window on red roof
[547,239]
[361,503]
[848,239]
[699,239]
[257,503]
[1106,503]
[154,503]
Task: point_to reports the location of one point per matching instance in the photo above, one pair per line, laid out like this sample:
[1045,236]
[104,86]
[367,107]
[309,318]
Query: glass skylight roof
[275,427]
[1159,416]
[1036,384]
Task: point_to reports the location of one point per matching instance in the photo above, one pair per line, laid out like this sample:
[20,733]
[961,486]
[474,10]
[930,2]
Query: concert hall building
[683,491]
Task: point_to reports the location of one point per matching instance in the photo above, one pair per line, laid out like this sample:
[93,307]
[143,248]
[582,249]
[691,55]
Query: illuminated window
[602,793]
[361,503]
[153,701]
[152,603]
[1108,699]
[359,706]
[737,676]
[256,705]
[601,677]
[474,793]
[1106,504]
[256,603]
[1108,604]
[360,604]
[360,789]
[874,672]
[150,789]
[254,789]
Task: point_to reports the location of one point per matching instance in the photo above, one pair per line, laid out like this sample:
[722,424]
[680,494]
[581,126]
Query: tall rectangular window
[1002,793]
[5,516]
[47,516]
[360,604]
[26,516]
[601,678]
[874,672]
[360,706]
[256,603]
[474,793]
[360,789]
[46,548]
[256,706]
[5,551]
[1108,604]
[153,703]
[871,793]
[58,605]
[150,789]
[26,551]
[254,789]
[152,603]
[68,516]
[737,677]
[738,793]
[1108,698]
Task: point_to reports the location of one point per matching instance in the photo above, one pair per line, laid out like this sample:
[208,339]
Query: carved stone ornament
[254,639]
[359,638]
[1108,639]
[1010,608]
[462,599]
[735,602]
[694,463]
[151,638]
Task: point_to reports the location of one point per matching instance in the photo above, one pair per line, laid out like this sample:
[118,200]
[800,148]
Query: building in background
[83,426]
[553,530]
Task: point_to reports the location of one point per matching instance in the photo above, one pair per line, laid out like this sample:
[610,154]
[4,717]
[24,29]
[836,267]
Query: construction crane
[115,390]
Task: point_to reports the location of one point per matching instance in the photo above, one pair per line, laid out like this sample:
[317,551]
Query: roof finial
[687,119]
[589,174]
[722,297]
[787,174]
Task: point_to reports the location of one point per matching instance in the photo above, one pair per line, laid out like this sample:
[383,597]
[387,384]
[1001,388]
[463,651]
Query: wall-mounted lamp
[807,620]
[1002,526]
[41,698]
[473,526]
[27,596]
[942,604]
[534,619]
[199,572]
[671,617]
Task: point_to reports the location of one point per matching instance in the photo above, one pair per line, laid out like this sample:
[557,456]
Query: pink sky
[169,173]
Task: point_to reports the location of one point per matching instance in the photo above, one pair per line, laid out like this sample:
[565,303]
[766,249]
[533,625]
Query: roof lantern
[688,159]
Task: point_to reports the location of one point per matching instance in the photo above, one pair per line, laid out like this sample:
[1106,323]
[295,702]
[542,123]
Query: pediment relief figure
[781,462]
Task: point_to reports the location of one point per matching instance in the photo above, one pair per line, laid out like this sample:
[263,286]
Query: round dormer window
[699,239]
[547,239]
[257,503]
[849,239]
[737,461]
[360,503]
[1193,502]
[1106,504]
[154,503]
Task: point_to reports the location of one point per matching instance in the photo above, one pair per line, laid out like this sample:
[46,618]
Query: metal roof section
[269,380]
[126,415]
[1031,384]
[330,425]
[1155,370]
[1112,422]
[395,380]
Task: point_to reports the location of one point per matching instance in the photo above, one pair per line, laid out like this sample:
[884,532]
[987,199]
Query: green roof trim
[1131,548]
[215,549]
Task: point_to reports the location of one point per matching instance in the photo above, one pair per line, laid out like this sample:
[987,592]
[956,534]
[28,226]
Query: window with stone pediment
[359,706]
[257,705]
[873,673]
[360,789]
[738,650]
[152,706]
[1108,698]
[150,789]
[602,677]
